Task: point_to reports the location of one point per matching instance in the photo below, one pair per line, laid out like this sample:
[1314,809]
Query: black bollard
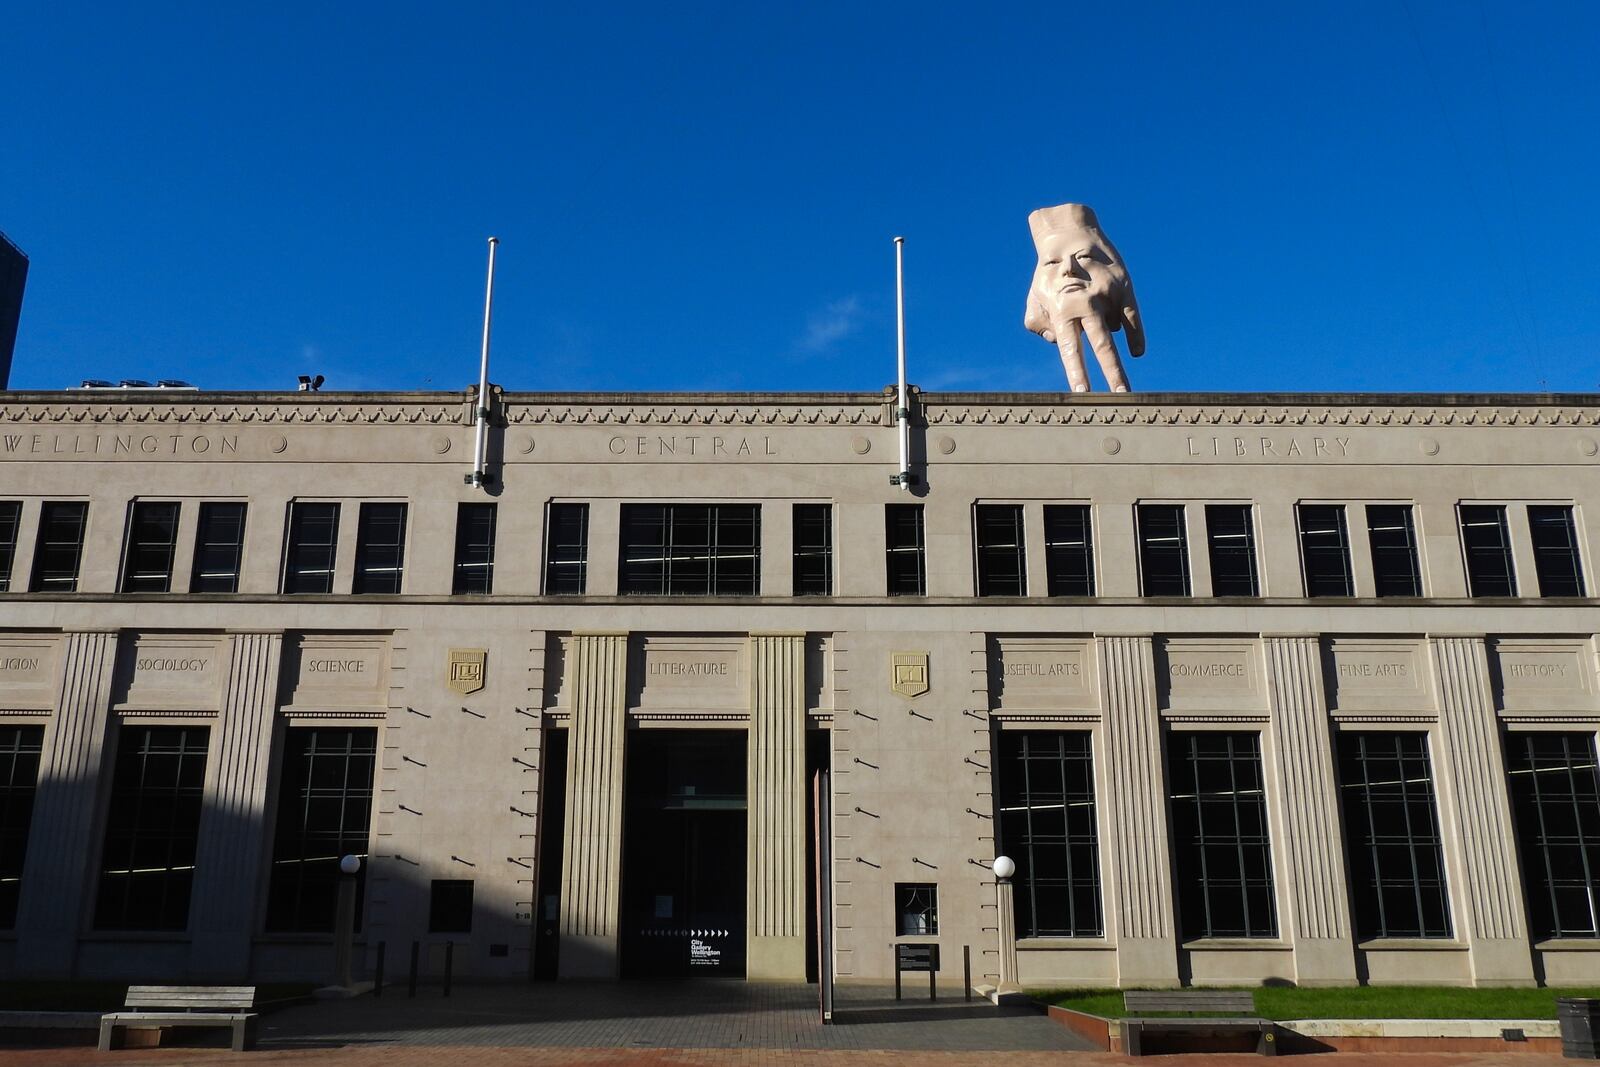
[449,962]
[411,985]
[966,969]
[377,971]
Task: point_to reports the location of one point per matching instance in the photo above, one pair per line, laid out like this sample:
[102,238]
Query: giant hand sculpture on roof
[1081,287]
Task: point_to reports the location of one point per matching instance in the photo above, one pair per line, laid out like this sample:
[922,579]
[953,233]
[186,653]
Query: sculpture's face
[1077,272]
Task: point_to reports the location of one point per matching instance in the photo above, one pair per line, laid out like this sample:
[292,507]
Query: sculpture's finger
[1133,326]
[1070,343]
[1034,317]
[1105,350]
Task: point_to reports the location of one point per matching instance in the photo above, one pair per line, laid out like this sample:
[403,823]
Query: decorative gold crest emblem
[465,669]
[908,673]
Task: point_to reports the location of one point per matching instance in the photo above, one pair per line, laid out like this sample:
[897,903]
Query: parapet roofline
[676,399]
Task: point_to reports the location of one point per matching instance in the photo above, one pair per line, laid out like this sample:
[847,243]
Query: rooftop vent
[136,383]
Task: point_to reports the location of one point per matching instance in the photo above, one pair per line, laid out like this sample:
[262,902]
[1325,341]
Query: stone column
[1136,837]
[1477,816]
[776,910]
[58,880]
[591,861]
[231,863]
[1306,809]
[1006,920]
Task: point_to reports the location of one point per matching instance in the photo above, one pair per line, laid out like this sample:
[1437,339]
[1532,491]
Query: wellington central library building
[1251,687]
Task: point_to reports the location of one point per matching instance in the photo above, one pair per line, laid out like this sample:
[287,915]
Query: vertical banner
[822,850]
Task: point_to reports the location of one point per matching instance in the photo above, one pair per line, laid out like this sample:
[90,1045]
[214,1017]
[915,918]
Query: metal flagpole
[902,402]
[481,433]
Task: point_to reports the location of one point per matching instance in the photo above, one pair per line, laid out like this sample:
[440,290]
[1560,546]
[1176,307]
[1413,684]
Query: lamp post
[344,928]
[1005,916]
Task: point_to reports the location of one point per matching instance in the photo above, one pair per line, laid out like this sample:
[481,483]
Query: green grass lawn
[1361,1002]
[106,996]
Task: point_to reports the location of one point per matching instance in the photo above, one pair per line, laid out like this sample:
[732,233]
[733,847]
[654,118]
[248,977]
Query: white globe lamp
[1004,867]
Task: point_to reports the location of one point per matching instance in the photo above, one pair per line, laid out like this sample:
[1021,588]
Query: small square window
[450,907]
[916,909]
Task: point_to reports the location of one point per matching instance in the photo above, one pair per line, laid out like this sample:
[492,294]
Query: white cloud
[832,324]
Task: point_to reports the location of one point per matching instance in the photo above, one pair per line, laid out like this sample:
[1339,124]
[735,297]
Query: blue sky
[1344,196]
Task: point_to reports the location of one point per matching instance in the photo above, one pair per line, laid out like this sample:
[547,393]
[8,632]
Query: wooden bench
[1241,1006]
[193,1005]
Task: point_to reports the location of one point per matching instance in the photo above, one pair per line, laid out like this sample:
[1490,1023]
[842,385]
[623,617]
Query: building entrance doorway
[684,863]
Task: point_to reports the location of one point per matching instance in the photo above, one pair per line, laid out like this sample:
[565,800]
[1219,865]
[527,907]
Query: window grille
[151,543]
[218,548]
[691,549]
[324,814]
[153,828]
[906,550]
[1487,542]
[1222,855]
[309,553]
[813,550]
[19,780]
[1555,550]
[1068,550]
[1045,787]
[1555,793]
[474,571]
[1391,825]
[1325,550]
[380,548]
[59,549]
[1231,539]
[1163,550]
[1392,535]
[1002,567]
[10,524]
[916,909]
[566,556]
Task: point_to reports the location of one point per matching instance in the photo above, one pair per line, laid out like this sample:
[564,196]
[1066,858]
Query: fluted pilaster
[591,861]
[1307,808]
[1136,820]
[58,876]
[777,814]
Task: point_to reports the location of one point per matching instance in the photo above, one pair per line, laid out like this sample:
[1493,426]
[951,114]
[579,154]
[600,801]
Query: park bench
[1241,1005]
[179,1005]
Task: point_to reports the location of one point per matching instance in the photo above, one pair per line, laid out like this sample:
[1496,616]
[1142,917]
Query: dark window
[59,550]
[916,909]
[1221,854]
[324,812]
[1002,570]
[380,548]
[1391,827]
[10,523]
[1487,542]
[153,830]
[450,906]
[1231,539]
[566,556]
[308,557]
[1395,571]
[1555,792]
[1555,550]
[218,548]
[691,549]
[813,550]
[19,778]
[1047,826]
[1325,550]
[1163,550]
[906,550]
[474,548]
[152,541]
[1068,550]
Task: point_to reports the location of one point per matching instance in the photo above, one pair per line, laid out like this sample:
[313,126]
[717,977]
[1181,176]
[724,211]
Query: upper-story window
[1002,568]
[1325,550]
[1487,543]
[1068,550]
[10,523]
[152,542]
[691,549]
[1163,550]
[905,550]
[1555,550]
[474,571]
[59,549]
[813,550]
[566,550]
[1393,537]
[1231,545]
[380,548]
[308,555]
[218,548]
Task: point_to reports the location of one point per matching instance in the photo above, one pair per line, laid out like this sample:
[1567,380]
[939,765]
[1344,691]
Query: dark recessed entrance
[684,854]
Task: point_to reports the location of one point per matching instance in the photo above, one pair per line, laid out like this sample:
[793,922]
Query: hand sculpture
[1080,287]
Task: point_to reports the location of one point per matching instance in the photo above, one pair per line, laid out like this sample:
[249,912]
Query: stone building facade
[1251,686]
